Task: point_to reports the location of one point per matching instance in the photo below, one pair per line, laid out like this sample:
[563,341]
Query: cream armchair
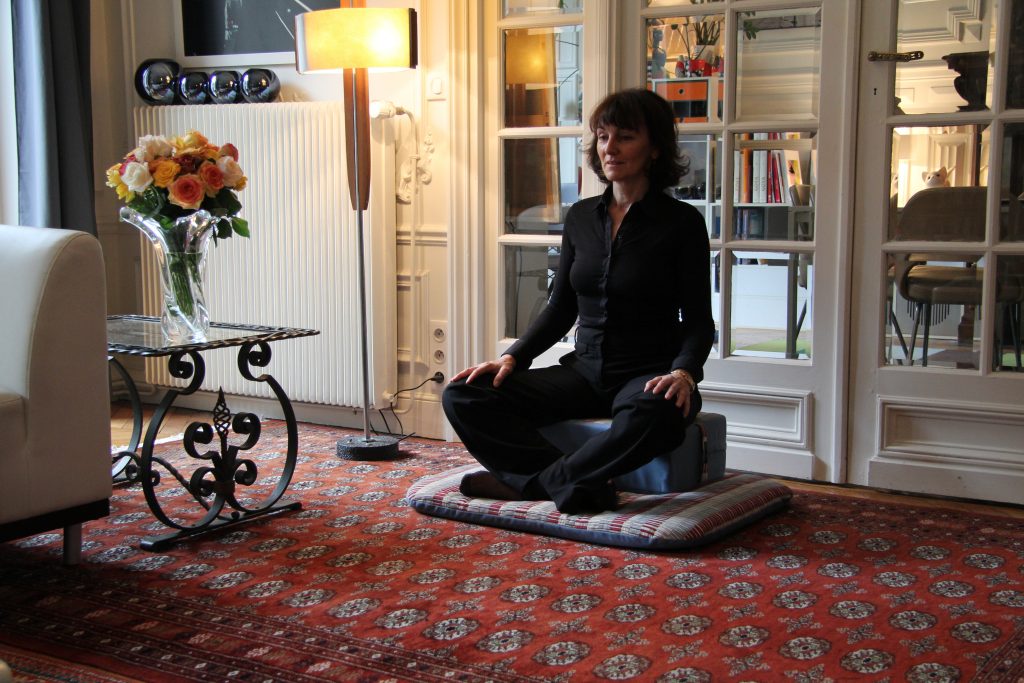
[54,394]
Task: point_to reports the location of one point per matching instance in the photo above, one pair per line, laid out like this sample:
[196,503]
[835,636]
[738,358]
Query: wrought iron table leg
[126,462]
[214,485]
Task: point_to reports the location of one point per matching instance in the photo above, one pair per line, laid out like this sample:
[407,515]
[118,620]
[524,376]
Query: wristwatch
[683,374]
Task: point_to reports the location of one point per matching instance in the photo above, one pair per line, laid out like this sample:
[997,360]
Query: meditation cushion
[700,459]
[664,521]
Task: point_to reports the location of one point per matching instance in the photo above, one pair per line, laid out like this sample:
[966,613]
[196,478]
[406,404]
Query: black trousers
[499,426]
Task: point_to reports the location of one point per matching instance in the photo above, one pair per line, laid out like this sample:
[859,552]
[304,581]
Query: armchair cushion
[54,403]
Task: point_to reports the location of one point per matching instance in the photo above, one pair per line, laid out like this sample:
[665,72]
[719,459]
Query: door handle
[875,56]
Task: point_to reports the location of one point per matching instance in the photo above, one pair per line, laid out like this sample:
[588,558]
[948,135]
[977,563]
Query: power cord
[436,377]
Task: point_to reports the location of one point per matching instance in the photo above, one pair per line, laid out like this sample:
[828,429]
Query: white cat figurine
[939,178]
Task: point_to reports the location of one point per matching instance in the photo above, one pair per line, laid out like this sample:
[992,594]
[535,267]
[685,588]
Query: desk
[218,473]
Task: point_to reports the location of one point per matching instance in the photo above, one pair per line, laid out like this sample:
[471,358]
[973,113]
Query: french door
[764,119]
[937,382]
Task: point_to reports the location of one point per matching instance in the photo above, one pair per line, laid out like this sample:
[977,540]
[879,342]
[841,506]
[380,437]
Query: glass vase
[181,249]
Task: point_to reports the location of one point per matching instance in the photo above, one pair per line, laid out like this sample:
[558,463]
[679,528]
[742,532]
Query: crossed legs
[500,429]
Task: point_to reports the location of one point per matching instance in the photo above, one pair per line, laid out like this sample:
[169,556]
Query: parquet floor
[121,422]
[178,420]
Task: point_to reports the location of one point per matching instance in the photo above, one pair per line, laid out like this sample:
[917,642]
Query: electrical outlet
[438,342]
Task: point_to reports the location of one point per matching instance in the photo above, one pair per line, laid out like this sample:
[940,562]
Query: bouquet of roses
[168,178]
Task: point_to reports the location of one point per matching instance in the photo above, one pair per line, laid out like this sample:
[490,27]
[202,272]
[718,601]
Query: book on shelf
[794,172]
[743,177]
[764,173]
[755,223]
[759,172]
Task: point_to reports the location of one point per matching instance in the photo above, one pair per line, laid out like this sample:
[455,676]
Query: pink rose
[187,192]
[232,172]
[228,150]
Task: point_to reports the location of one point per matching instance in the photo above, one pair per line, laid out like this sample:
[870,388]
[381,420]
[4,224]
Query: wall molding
[431,235]
[961,20]
[926,431]
[967,450]
[763,416]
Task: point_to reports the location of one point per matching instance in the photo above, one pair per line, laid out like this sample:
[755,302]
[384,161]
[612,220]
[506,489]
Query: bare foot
[486,485]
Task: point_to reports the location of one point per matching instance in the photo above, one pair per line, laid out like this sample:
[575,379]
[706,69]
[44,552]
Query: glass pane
[956,71]
[1009,295]
[1015,72]
[716,298]
[521,7]
[779,58]
[700,155]
[542,177]
[543,82]
[773,186]
[529,273]
[1011,204]
[772,308]
[939,176]
[684,65]
[933,309]
[669,3]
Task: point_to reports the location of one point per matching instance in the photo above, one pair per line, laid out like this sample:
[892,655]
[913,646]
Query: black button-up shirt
[643,302]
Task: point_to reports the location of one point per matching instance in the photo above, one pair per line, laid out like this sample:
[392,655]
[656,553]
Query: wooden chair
[951,214]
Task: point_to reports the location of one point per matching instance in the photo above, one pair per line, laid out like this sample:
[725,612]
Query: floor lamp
[351,40]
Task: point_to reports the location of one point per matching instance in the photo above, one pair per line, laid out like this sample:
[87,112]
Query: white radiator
[299,268]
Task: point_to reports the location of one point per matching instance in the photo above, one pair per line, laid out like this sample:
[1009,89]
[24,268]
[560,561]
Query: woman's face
[625,154]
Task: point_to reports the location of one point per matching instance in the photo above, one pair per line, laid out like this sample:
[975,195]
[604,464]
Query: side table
[218,473]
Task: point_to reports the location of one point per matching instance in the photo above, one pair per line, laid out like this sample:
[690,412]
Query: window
[541,148]
[744,87]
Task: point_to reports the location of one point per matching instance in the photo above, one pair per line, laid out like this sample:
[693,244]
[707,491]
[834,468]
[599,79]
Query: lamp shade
[355,38]
[530,58]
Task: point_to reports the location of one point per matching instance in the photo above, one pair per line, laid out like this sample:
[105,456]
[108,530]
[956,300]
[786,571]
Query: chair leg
[1015,331]
[924,337]
[913,334]
[72,544]
[899,332]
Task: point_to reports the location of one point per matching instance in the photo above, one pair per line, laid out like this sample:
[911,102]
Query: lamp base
[375,448]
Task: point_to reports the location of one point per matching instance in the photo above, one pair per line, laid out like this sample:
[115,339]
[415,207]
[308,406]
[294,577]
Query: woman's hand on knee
[500,368]
[676,386]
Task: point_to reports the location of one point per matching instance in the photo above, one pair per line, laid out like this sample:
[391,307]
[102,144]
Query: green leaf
[240,226]
[223,229]
[227,199]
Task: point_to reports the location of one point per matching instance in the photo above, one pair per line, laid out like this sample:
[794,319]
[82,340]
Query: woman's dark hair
[640,109]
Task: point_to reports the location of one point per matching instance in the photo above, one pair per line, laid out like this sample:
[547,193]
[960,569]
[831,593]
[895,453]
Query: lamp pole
[350,39]
[368,446]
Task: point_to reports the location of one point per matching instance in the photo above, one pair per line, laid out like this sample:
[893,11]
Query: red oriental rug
[358,587]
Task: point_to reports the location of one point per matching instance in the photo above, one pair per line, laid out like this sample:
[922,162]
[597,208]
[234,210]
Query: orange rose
[164,172]
[212,177]
[191,141]
[186,192]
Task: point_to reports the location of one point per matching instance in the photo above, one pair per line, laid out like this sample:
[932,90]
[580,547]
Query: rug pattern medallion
[358,587]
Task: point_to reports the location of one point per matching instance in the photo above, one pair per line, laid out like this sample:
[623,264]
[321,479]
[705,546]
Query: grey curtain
[54,112]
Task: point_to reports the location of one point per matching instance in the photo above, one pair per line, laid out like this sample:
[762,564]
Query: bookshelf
[773,183]
[702,185]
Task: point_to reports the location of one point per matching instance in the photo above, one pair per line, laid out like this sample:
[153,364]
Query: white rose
[136,176]
[153,146]
[231,170]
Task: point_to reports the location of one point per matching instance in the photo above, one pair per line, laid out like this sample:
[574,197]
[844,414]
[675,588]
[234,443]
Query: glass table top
[140,335]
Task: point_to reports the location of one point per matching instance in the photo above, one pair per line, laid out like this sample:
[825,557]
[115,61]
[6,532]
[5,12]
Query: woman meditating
[635,270]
